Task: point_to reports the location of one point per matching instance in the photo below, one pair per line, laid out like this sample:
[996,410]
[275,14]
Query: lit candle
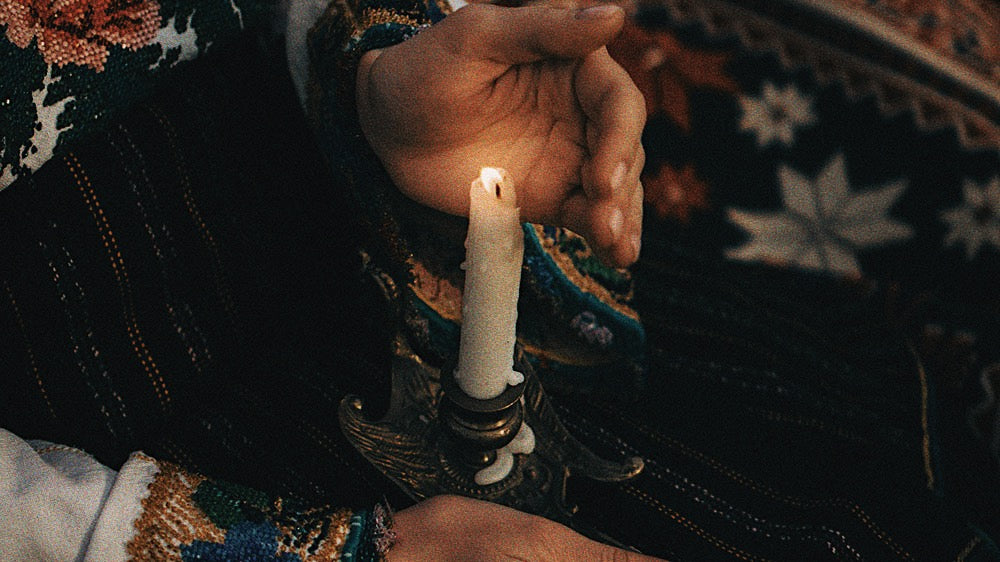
[494,252]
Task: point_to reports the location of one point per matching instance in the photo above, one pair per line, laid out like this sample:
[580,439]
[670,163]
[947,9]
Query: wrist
[371,535]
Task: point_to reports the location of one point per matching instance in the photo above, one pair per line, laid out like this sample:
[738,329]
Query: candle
[494,252]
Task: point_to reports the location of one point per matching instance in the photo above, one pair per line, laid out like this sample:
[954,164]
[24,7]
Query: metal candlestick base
[428,452]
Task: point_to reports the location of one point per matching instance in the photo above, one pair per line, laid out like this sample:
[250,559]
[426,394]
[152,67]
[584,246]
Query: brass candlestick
[434,438]
[474,428]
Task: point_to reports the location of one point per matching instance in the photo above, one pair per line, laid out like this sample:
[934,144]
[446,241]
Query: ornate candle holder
[435,438]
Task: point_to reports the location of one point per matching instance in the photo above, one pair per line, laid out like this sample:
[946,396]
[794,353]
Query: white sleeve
[59,503]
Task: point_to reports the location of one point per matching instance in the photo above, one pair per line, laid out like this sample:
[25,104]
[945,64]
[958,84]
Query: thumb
[530,33]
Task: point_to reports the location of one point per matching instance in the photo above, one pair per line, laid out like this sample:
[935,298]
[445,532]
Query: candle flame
[491,179]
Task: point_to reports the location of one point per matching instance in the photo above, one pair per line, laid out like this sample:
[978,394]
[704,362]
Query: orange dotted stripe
[810,423]
[180,456]
[31,353]
[744,480]
[121,276]
[222,286]
[692,526]
[197,352]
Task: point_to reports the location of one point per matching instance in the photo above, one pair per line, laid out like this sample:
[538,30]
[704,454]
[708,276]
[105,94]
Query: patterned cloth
[855,139]
[178,286]
[142,271]
[70,67]
[860,171]
[154,510]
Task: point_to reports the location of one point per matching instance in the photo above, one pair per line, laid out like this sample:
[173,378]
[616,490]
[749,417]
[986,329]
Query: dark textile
[185,284]
[163,282]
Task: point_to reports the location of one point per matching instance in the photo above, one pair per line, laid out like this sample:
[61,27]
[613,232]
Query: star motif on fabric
[776,114]
[975,222]
[675,193]
[823,223]
[666,71]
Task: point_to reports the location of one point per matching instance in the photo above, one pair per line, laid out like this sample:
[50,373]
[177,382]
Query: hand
[454,528]
[529,89]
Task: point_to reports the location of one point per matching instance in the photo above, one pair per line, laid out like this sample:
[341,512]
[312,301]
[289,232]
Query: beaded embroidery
[80,32]
[189,517]
[70,67]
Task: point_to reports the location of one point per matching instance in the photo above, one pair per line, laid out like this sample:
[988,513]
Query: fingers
[530,33]
[626,247]
[616,115]
[625,244]
[612,229]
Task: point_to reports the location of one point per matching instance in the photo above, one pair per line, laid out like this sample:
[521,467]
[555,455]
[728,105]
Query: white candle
[494,252]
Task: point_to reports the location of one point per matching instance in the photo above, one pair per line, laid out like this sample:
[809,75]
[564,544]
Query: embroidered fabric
[70,68]
[785,420]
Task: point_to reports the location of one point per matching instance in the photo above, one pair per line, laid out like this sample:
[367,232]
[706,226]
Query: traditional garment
[181,280]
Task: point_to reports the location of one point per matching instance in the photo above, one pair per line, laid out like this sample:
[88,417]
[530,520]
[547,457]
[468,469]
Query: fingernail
[618,176]
[636,245]
[616,223]
[599,11]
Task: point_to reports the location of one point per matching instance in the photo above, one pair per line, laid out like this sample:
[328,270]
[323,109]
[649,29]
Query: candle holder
[434,438]
[477,428]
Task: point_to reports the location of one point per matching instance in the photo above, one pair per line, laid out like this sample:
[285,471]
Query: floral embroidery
[80,31]
[776,114]
[588,328]
[823,222]
[673,193]
[977,220]
[664,70]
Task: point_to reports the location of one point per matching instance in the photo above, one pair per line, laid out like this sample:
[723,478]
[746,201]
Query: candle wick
[497,187]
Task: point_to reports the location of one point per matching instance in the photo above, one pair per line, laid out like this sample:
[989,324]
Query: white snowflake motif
[977,220]
[824,222]
[169,39]
[776,114]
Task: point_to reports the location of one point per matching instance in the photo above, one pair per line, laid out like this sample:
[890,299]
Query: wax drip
[523,443]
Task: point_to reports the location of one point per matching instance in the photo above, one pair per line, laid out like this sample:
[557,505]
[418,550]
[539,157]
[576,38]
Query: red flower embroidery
[673,193]
[665,70]
[80,31]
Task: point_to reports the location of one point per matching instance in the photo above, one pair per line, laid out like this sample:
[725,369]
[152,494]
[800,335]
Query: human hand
[529,89]
[455,528]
